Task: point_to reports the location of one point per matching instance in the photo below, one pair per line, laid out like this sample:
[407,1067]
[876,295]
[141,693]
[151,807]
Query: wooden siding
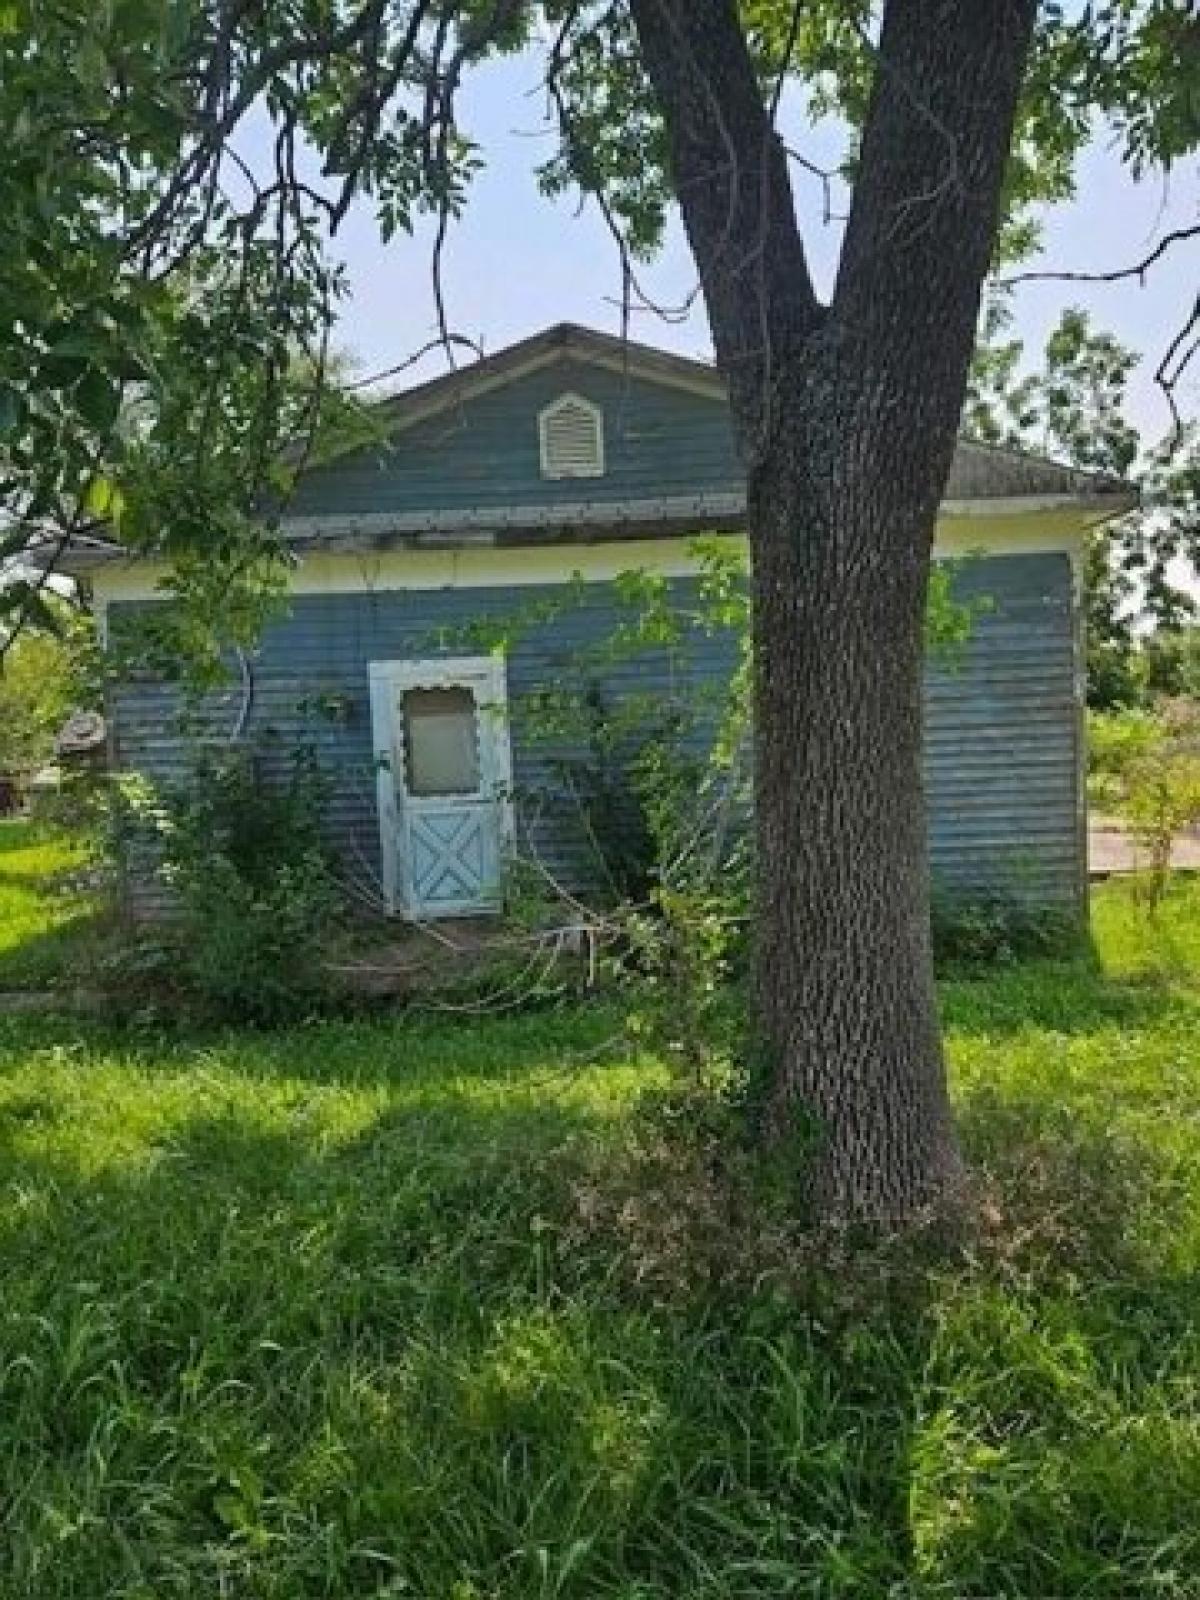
[661,441]
[658,441]
[1001,742]
[1002,739]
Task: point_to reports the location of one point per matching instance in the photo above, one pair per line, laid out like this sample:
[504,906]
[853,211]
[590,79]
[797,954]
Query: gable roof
[978,472]
[983,478]
[563,341]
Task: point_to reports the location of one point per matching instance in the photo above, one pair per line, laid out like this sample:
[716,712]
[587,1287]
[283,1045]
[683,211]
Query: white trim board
[635,362]
[480,523]
[523,566]
[476,524]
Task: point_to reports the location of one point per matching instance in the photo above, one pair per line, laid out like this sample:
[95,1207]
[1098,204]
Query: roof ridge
[558,335]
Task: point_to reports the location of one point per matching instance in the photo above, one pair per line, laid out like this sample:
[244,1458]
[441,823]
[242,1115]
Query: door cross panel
[450,860]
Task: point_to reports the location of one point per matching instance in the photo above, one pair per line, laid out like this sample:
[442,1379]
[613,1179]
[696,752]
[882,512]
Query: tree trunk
[846,1010]
[847,416]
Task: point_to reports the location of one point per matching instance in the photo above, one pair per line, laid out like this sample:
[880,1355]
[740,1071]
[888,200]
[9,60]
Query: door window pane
[441,741]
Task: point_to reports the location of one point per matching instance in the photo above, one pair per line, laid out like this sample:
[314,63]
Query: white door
[444,776]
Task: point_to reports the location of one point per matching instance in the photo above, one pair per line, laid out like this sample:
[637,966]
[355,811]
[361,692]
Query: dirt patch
[1112,850]
[423,958]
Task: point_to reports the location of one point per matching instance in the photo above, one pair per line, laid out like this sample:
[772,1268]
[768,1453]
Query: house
[552,468]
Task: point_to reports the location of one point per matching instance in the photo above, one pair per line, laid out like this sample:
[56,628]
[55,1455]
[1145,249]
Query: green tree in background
[38,691]
[1072,407]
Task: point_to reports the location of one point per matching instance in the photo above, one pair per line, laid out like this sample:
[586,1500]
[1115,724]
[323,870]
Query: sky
[518,262]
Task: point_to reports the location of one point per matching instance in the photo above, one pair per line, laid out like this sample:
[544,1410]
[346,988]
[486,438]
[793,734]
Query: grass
[345,1312]
[48,923]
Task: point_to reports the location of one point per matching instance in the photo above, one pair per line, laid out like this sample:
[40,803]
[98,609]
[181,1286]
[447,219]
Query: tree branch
[927,198]
[632,288]
[1137,270]
[738,211]
[460,340]
[825,177]
[785,61]
[1177,358]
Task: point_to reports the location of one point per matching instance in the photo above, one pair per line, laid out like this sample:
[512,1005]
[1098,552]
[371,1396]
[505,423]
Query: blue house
[546,472]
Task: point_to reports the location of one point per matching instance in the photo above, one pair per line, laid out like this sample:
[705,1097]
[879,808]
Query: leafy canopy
[166,305]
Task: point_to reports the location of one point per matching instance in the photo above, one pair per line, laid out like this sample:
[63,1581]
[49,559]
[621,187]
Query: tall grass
[327,1313]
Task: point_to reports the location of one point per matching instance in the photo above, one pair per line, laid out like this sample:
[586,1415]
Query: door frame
[488,677]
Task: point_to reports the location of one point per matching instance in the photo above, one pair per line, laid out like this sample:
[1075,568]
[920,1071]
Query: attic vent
[571,433]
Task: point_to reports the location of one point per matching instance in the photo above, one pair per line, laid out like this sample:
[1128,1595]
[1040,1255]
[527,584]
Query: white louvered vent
[571,433]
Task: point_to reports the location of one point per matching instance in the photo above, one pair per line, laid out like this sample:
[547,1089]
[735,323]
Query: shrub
[623,780]
[987,929]
[665,811]
[1161,795]
[1146,766]
[1173,661]
[1116,739]
[659,782]
[247,860]
[40,683]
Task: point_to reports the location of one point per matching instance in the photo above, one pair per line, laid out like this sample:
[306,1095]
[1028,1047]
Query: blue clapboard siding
[1001,738]
[484,453]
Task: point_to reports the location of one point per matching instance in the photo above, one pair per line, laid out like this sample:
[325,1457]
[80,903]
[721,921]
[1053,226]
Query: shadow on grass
[386,1338]
[63,955]
[55,885]
[334,1325]
[20,833]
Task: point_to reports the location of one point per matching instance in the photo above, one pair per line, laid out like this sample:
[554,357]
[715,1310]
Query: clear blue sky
[518,262]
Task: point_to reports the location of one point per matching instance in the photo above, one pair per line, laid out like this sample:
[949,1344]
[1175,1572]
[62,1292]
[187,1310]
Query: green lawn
[47,923]
[384,1309]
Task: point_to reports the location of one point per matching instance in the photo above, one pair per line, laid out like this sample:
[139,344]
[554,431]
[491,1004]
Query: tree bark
[846,417]
[846,1008]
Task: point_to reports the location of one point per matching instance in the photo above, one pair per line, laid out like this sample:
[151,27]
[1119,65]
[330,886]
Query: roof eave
[590,522]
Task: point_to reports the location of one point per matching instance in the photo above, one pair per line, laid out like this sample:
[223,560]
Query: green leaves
[39,688]
[949,619]
[149,328]
[1073,409]
[159,296]
[104,500]
[98,399]
[26,601]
